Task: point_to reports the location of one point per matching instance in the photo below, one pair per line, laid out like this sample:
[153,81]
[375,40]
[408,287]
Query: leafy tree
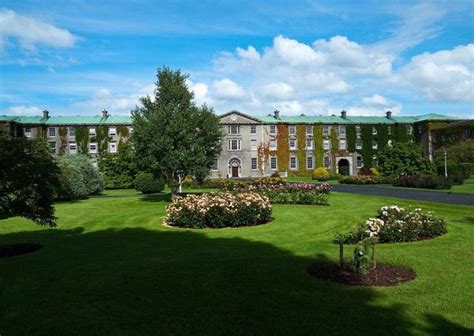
[173,137]
[78,177]
[119,169]
[404,159]
[462,152]
[28,178]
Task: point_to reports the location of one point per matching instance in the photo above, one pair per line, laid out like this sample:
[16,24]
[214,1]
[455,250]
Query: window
[52,131]
[92,131]
[93,148]
[360,163]
[215,165]
[293,144]
[293,162]
[233,144]
[273,144]
[309,130]
[272,129]
[52,147]
[342,144]
[326,144]
[28,132]
[389,143]
[327,161]
[374,161]
[253,129]
[113,147]
[72,148]
[113,131]
[389,130]
[374,144]
[309,143]
[253,163]
[253,144]
[292,130]
[233,130]
[130,130]
[358,130]
[342,131]
[409,129]
[358,144]
[273,163]
[309,162]
[325,130]
[374,130]
[72,131]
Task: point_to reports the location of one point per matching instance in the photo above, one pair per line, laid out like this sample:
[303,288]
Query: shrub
[320,174]
[78,177]
[404,159]
[119,169]
[217,210]
[366,171]
[426,182]
[396,224]
[374,171]
[148,184]
[366,179]
[275,175]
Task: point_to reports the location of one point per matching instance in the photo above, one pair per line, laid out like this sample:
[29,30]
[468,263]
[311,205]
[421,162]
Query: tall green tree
[404,159]
[28,179]
[172,136]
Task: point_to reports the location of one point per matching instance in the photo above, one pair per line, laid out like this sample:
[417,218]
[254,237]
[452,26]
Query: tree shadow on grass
[136,281]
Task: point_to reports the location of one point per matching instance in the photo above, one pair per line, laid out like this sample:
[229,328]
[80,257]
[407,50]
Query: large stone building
[254,146]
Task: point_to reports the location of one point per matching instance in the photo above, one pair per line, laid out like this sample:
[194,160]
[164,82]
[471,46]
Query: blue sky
[312,57]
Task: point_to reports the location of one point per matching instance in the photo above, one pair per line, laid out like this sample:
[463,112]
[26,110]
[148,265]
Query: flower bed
[366,179]
[218,210]
[396,224]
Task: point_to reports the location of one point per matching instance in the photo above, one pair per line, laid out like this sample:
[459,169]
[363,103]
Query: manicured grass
[466,188]
[111,268]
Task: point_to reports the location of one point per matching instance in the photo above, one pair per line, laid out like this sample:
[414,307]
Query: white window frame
[273,163]
[113,130]
[253,144]
[308,157]
[93,151]
[310,128]
[232,131]
[114,146]
[358,144]
[326,130]
[342,131]
[28,132]
[230,144]
[292,130]
[375,145]
[293,159]
[311,142]
[409,129]
[71,150]
[294,142]
[389,130]
[327,161]
[71,131]
[359,162]
[253,129]
[53,129]
[273,145]
[341,142]
[374,130]
[272,129]
[92,131]
[326,144]
[252,161]
[52,147]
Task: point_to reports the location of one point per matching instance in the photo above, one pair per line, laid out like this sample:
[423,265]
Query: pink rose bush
[397,224]
[217,210]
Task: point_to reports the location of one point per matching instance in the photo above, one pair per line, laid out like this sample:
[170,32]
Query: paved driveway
[422,195]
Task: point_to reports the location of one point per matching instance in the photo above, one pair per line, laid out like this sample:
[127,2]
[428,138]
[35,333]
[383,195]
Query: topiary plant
[320,174]
[148,184]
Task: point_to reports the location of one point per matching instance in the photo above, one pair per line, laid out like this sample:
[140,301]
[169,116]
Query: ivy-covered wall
[318,145]
[63,140]
[82,139]
[367,138]
[102,139]
[382,136]
[351,138]
[283,151]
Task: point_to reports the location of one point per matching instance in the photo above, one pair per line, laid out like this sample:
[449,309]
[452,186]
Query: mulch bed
[384,275]
[11,250]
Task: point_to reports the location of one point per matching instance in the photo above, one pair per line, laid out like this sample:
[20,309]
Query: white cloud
[31,32]
[375,100]
[227,89]
[444,75]
[277,90]
[22,110]
[294,52]
[250,53]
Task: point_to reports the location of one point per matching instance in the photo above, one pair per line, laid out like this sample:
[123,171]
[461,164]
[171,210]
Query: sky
[312,57]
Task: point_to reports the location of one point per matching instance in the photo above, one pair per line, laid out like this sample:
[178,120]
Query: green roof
[270,119]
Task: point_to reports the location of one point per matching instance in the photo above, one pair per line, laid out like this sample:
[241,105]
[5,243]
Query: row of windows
[71,131]
[235,144]
[93,147]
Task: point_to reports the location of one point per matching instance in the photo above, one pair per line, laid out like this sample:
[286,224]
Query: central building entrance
[234,167]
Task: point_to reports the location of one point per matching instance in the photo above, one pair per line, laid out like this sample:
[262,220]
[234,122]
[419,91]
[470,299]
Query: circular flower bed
[397,224]
[218,210]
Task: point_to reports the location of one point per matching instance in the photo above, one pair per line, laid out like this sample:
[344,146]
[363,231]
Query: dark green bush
[426,182]
[148,184]
[119,169]
[366,179]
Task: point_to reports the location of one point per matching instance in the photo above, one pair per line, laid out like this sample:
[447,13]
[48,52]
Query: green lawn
[111,268]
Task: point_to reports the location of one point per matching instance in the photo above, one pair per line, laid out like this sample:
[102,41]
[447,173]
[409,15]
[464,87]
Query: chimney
[105,114]
[389,114]
[343,114]
[45,114]
[276,114]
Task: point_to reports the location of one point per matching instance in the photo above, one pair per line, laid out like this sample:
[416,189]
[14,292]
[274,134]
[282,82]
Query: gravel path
[422,195]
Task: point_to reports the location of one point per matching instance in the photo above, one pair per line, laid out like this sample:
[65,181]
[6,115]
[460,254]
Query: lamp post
[445,163]
[180,180]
